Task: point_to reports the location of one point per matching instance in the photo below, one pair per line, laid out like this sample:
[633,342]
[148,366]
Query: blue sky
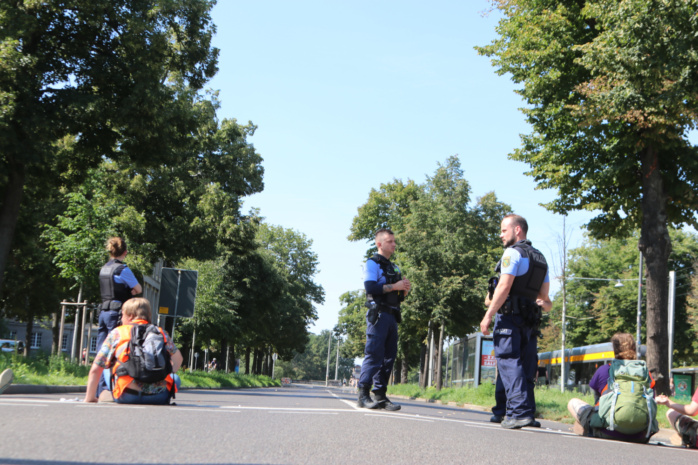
[349,95]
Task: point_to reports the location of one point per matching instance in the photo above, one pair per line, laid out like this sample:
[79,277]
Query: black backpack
[148,358]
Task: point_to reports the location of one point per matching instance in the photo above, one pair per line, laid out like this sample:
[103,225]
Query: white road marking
[203,409]
[305,413]
[399,417]
[8,404]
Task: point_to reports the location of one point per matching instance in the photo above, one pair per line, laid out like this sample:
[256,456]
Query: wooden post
[82,336]
[60,331]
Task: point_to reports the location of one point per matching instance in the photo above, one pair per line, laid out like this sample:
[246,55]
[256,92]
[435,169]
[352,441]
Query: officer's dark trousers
[500,397]
[515,348]
[107,321]
[380,352]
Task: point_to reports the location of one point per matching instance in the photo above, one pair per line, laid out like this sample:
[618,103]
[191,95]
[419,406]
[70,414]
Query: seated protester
[599,382]
[634,417]
[679,417]
[113,354]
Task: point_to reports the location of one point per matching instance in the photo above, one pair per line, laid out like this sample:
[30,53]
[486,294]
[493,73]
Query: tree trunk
[28,336]
[9,212]
[423,366]
[247,360]
[438,359]
[655,246]
[404,367]
[54,332]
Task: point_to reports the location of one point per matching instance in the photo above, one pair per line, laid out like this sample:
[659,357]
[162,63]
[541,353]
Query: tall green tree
[597,307]
[609,90]
[447,246]
[99,70]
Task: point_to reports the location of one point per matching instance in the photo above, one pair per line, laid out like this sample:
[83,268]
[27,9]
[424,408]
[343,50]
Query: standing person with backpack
[626,409]
[117,284]
[141,357]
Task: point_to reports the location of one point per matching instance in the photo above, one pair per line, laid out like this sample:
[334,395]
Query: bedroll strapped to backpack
[148,358]
[628,406]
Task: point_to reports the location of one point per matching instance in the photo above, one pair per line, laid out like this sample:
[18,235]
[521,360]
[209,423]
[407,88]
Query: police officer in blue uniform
[520,296]
[117,284]
[385,289]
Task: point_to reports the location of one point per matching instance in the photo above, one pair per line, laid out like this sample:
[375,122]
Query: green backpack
[628,405]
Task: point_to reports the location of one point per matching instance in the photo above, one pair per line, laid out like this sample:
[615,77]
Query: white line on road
[22,405]
[399,417]
[206,409]
[305,413]
[293,409]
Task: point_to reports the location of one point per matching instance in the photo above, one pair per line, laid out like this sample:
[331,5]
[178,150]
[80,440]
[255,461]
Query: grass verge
[56,371]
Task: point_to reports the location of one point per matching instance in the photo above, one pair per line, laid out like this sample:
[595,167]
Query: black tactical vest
[528,285]
[392,274]
[113,293]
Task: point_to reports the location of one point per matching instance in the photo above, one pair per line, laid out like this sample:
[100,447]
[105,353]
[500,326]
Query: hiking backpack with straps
[628,405]
[148,359]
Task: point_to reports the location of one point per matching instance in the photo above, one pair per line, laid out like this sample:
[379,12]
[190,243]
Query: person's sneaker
[496,418]
[515,423]
[6,378]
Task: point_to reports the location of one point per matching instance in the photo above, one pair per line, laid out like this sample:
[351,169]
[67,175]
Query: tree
[98,70]
[597,307]
[447,247]
[609,88]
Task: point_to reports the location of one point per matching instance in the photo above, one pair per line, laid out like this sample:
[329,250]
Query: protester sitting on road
[113,354]
[6,378]
[611,380]
[679,417]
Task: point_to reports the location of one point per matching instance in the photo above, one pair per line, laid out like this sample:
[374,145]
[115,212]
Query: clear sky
[349,95]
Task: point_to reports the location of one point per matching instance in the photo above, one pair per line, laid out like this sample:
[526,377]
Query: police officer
[117,284]
[520,295]
[385,289]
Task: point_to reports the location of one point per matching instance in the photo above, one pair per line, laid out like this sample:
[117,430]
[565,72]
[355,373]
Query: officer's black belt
[388,310]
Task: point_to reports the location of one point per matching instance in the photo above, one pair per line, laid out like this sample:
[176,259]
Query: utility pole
[329,346]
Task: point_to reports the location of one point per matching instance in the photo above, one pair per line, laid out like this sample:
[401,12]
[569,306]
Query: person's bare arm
[498,299]
[92,381]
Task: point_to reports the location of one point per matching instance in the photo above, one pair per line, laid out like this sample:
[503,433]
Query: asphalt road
[291,425]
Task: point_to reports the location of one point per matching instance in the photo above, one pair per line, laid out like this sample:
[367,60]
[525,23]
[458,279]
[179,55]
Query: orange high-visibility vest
[122,353]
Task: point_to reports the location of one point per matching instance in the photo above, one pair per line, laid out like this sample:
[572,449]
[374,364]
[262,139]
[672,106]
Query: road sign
[178,292]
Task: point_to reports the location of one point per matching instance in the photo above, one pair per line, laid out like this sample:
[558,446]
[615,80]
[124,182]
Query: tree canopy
[101,71]
[447,246]
[610,91]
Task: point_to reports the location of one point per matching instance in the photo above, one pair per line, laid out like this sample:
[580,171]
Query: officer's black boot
[365,400]
[383,402]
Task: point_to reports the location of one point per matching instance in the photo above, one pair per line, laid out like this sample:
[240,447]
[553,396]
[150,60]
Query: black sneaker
[496,418]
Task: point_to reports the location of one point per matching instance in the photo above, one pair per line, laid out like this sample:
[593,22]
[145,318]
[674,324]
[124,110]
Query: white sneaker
[6,378]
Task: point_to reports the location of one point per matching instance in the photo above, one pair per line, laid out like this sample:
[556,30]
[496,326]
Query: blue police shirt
[126,277]
[373,278]
[514,264]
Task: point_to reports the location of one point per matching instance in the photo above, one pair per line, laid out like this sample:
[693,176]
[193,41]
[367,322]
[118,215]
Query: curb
[41,389]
